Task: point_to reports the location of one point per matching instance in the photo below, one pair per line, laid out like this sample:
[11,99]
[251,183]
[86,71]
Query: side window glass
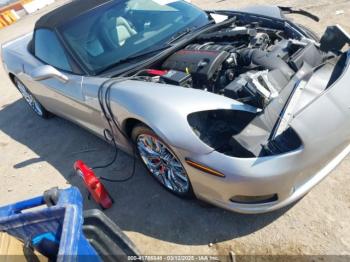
[49,49]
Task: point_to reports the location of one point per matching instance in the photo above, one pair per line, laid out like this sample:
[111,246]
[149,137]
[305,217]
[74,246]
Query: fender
[153,103]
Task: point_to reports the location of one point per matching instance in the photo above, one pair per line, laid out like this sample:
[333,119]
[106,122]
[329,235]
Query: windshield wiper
[189,30]
[179,35]
[134,57]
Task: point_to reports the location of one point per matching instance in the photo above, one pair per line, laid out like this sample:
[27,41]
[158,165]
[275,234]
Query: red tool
[93,184]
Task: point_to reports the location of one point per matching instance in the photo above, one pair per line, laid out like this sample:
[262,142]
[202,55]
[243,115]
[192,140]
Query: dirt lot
[38,154]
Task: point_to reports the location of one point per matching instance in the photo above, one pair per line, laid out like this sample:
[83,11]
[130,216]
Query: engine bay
[248,63]
[260,66]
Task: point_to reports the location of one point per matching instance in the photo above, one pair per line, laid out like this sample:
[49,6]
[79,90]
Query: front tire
[161,162]
[31,100]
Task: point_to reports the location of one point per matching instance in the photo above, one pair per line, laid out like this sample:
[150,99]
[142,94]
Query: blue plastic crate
[61,223]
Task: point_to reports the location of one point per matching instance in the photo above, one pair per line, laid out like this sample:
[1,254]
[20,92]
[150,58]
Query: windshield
[118,30]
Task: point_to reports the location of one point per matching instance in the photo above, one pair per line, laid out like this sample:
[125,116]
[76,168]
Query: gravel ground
[38,154]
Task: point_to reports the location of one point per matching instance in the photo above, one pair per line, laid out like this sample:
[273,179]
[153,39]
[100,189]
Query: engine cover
[201,64]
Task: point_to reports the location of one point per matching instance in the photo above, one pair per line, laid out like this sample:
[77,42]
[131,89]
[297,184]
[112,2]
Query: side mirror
[46,72]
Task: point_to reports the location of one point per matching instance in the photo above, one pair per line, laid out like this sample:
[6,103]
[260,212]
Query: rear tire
[30,99]
[161,162]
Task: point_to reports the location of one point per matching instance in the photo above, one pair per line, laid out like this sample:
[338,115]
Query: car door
[63,96]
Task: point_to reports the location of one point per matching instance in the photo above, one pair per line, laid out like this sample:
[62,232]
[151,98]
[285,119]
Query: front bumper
[324,128]
[290,185]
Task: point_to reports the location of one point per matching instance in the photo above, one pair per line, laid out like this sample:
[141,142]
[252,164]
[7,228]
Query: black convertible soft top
[67,12]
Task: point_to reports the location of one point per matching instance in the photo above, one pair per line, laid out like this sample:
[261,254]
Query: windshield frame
[196,24]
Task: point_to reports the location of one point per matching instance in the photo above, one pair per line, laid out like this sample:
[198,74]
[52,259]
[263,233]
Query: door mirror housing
[46,72]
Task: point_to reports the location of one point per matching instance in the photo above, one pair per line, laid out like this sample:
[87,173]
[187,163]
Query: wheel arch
[130,124]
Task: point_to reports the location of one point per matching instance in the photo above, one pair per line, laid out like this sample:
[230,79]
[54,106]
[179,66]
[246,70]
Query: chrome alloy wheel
[32,102]
[163,164]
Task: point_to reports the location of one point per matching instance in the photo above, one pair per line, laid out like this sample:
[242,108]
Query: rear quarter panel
[15,54]
[67,100]
[19,61]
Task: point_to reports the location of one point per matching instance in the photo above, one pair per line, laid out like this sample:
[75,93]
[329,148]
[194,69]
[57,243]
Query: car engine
[259,62]
[247,63]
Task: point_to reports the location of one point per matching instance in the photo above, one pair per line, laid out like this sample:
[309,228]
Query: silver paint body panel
[322,124]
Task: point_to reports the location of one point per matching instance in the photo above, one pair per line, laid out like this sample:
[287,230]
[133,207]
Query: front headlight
[234,133]
[217,127]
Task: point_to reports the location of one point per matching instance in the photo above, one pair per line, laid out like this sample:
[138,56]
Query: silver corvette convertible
[240,108]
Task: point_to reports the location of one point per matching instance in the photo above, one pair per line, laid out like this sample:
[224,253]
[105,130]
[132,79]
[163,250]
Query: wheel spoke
[172,180]
[176,164]
[163,164]
[181,175]
[145,147]
[180,186]
[159,147]
[33,103]
[168,181]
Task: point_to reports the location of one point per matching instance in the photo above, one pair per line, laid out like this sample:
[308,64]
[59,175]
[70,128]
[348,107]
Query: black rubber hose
[266,60]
